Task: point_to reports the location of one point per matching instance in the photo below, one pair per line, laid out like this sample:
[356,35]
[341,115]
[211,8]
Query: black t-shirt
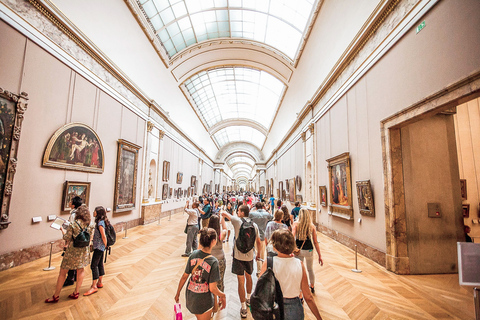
[307,246]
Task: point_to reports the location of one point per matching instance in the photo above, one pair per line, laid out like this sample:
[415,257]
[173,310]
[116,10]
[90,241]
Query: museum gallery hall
[366,113]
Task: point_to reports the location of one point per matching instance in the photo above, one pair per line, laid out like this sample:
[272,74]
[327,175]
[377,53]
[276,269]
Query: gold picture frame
[463,189]
[340,186]
[292,190]
[166,171]
[126,176]
[72,189]
[179,177]
[75,146]
[323,195]
[365,198]
[12,111]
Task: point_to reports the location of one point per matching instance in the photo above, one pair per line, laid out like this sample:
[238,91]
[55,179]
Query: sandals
[53,299]
[74,295]
[91,291]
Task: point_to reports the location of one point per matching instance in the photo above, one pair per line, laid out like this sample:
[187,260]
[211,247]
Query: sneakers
[248,302]
[243,313]
[186,255]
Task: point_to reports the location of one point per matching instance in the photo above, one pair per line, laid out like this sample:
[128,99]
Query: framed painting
[286,185]
[323,195]
[463,188]
[166,171]
[126,177]
[165,191]
[299,198]
[12,110]
[175,193]
[340,186]
[179,177]
[267,184]
[284,195]
[298,181]
[291,190]
[466,210]
[262,190]
[73,189]
[75,146]
[179,193]
[193,181]
[365,198]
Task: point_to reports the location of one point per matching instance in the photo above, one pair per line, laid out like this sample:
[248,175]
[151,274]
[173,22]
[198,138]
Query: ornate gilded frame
[14,106]
[365,198]
[323,195]
[126,176]
[74,184]
[166,171]
[292,194]
[340,207]
[73,127]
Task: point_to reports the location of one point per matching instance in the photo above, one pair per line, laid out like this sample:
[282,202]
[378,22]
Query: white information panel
[468,263]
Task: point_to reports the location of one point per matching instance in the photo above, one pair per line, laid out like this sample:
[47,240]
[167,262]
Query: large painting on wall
[166,171]
[340,186]
[12,110]
[73,189]
[291,190]
[75,146]
[126,177]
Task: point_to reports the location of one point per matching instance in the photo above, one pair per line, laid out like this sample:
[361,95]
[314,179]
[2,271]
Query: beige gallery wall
[57,96]
[414,68]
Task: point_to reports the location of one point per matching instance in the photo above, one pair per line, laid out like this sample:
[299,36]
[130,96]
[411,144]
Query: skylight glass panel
[235,92]
[278,23]
[239,134]
[240,160]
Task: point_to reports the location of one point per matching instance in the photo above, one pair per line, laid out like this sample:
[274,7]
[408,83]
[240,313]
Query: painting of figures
[340,186]
[75,146]
[126,178]
[73,189]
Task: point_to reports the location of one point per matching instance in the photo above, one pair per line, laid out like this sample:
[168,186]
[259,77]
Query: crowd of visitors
[262,227]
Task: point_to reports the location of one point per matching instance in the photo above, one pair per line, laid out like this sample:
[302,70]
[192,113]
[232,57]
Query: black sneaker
[186,255]
[68,282]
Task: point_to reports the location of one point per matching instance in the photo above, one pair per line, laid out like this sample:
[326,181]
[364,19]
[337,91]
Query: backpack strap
[270,262]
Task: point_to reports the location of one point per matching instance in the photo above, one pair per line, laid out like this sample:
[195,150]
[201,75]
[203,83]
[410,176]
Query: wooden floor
[143,273]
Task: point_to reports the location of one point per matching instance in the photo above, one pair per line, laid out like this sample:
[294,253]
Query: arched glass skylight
[241,166]
[235,92]
[234,160]
[181,23]
[239,133]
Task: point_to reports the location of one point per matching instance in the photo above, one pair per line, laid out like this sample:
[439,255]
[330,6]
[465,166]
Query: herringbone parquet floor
[143,273]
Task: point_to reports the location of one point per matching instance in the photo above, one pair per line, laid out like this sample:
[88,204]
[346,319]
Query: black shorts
[240,267]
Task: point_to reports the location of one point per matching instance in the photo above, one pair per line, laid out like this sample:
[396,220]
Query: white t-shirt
[288,272]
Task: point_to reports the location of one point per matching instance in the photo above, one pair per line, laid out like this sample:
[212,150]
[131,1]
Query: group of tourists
[288,238]
[78,245]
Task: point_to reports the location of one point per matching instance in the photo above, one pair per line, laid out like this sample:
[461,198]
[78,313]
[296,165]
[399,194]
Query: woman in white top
[291,275]
[306,239]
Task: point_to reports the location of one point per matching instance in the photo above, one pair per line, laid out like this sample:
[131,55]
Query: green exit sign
[420,26]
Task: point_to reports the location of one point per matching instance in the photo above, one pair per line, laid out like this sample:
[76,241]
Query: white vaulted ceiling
[235,95]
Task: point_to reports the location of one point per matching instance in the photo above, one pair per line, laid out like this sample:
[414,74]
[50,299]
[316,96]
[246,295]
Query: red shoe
[99,285]
[74,295]
[53,299]
[91,291]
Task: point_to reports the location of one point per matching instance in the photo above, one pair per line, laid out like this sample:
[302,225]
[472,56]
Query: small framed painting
[341,186]
[466,210]
[463,188]
[165,191]
[365,198]
[72,189]
[179,177]
[323,195]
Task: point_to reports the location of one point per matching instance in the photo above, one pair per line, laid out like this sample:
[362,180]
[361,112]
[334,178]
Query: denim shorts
[293,308]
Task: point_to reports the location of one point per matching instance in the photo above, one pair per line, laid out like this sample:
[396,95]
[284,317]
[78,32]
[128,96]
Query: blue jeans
[293,309]
[192,243]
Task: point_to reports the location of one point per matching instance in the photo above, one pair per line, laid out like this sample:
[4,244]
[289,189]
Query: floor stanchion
[50,260]
[356,262]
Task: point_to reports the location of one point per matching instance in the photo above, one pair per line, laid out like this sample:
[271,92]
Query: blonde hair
[304,229]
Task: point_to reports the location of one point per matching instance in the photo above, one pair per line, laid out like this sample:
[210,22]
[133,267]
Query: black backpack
[266,302]
[82,239]
[111,235]
[246,236]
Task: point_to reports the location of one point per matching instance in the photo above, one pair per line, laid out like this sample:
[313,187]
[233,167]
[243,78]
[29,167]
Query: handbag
[82,240]
[296,251]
